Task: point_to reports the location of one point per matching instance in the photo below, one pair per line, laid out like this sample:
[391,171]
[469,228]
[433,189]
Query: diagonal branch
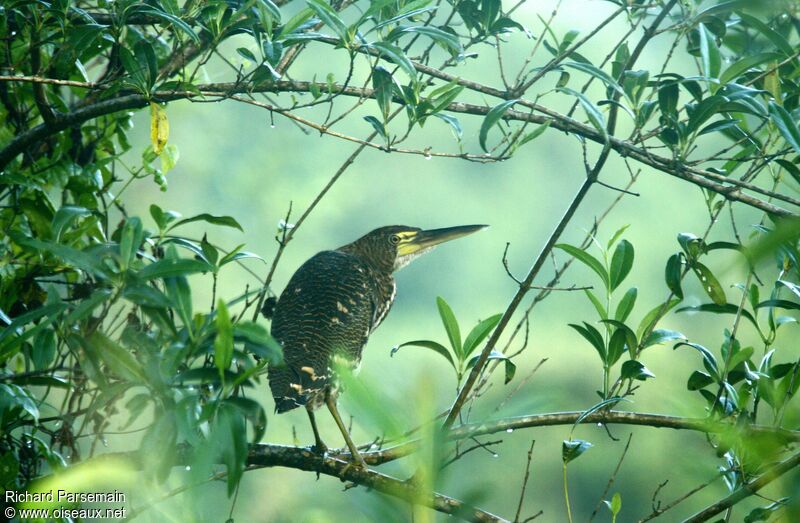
[747,490]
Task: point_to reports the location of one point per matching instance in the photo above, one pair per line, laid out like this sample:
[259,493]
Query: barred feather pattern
[327,311]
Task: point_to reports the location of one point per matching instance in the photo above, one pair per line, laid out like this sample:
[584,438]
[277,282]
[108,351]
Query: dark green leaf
[225,221]
[510,366]
[572,449]
[621,263]
[699,380]
[711,60]
[634,370]
[786,125]
[593,336]
[383,84]
[397,56]
[492,118]
[329,17]
[479,333]
[710,284]
[673,274]
[223,342]
[587,259]
[169,267]
[661,336]
[427,344]
[450,326]
[725,308]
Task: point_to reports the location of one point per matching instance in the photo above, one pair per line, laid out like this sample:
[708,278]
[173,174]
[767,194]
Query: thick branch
[728,187]
[267,455]
[568,418]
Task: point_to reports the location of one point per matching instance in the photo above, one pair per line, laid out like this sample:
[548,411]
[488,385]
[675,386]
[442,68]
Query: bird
[328,310]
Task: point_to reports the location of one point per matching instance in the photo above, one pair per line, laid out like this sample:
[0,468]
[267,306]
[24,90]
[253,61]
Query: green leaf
[673,273]
[668,96]
[587,259]
[529,137]
[118,359]
[629,338]
[699,380]
[225,221]
[377,125]
[776,38]
[572,449]
[736,69]
[621,263]
[492,118]
[708,359]
[781,304]
[130,240]
[44,349]
[169,267]
[172,19]
[634,370]
[599,307]
[651,319]
[661,336]
[383,85]
[510,366]
[427,344]
[142,294]
[786,125]
[65,217]
[453,122]
[447,40]
[397,56]
[616,236]
[451,327]
[725,308]
[258,341]
[479,333]
[626,304]
[330,18]
[223,342]
[593,336]
[597,73]
[709,52]
[710,284]
[253,411]
[592,112]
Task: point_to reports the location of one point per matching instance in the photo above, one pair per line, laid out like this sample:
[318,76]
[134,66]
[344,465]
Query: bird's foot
[320,449]
[356,464]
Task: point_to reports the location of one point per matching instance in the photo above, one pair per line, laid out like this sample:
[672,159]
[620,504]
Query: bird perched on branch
[330,307]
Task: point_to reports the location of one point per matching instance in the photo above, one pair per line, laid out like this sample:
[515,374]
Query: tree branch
[747,490]
[570,417]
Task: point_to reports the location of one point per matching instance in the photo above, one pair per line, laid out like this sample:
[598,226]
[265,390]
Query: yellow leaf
[159,127]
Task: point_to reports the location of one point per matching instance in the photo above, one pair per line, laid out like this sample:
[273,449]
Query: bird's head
[395,246]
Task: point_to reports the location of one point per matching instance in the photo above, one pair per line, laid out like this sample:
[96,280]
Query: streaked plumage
[330,307]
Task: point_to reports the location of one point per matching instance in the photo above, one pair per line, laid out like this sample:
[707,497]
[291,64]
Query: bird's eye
[394,239]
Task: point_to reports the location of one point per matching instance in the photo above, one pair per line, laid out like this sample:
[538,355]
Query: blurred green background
[234,162]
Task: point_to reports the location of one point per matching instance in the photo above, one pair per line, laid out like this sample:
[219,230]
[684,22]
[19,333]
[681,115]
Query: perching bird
[330,307]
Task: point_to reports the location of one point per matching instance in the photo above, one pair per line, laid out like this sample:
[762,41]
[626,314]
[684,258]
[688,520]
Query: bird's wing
[326,310]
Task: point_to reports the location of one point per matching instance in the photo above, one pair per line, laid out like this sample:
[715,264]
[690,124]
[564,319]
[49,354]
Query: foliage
[100,327]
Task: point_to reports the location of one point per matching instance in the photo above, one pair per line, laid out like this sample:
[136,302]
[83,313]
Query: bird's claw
[320,449]
[358,465]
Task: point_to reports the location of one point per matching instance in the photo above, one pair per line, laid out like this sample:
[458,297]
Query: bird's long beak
[424,240]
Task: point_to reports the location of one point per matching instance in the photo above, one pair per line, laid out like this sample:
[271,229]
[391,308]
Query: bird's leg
[319,446]
[330,401]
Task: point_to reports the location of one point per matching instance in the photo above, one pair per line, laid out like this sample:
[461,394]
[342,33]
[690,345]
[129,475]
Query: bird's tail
[286,397]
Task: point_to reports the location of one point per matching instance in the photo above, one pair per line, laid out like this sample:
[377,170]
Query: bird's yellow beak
[413,242]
